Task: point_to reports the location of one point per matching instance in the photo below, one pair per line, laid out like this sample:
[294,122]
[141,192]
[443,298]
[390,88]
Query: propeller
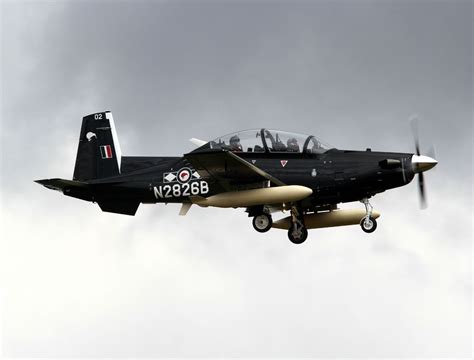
[421,163]
[422,191]
[414,129]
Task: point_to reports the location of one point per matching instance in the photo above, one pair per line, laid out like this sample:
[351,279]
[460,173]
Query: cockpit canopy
[267,140]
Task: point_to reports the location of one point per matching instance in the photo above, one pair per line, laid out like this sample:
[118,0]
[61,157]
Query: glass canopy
[269,140]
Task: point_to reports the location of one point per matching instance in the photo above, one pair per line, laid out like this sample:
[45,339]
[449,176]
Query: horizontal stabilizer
[61,184]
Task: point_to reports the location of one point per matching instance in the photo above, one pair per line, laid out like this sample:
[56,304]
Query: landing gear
[298,235]
[297,232]
[368,223]
[262,223]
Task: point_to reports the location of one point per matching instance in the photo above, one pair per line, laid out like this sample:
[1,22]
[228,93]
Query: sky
[77,282]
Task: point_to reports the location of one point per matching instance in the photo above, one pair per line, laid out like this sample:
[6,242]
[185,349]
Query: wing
[230,171]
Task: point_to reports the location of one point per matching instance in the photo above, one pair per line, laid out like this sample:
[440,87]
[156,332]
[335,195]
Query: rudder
[98,153]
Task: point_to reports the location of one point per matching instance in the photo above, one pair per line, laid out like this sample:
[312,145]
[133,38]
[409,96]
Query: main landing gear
[297,232]
[368,223]
[262,223]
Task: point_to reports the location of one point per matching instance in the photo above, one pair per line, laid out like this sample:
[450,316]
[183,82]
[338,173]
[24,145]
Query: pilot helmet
[292,141]
[234,140]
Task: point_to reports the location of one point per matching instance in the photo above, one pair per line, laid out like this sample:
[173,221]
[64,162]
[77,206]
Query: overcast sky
[79,282]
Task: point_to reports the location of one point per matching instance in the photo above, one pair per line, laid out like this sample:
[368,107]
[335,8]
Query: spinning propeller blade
[421,163]
[414,128]
[422,192]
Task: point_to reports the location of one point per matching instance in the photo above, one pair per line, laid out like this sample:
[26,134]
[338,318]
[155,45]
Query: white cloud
[207,285]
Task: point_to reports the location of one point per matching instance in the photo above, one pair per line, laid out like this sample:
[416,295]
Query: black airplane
[263,171]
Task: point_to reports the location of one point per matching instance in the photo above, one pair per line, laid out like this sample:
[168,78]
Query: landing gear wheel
[297,233]
[368,225]
[297,236]
[262,223]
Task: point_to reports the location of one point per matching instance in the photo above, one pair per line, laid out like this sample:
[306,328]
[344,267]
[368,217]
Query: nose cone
[422,163]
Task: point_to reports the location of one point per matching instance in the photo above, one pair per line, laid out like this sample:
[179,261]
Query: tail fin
[98,154]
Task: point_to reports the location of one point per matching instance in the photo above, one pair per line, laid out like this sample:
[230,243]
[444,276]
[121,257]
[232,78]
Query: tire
[262,223]
[304,236]
[370,226]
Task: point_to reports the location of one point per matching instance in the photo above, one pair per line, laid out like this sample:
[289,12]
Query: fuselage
[334,176]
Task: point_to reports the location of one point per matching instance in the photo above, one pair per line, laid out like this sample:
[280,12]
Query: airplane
[262,170]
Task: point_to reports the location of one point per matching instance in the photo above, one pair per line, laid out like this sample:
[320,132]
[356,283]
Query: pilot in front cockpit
[235,143]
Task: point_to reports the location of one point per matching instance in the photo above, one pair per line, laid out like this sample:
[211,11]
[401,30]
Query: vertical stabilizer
[98,154]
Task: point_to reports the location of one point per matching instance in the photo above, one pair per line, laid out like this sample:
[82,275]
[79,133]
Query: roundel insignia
[184,175]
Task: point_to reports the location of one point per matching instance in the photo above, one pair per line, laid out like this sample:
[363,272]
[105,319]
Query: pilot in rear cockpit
[316,147]
[235,143]
[292,145]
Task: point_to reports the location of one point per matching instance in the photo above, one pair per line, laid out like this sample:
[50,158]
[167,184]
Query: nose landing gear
[368,223]
[297,232]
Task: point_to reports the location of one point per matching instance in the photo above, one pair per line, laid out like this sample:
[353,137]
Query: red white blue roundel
[184,175]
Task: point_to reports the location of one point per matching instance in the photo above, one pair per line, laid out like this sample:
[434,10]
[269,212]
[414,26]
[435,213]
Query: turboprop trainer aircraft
[263,171]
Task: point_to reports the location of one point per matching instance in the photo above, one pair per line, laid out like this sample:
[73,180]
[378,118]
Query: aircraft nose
[422,163]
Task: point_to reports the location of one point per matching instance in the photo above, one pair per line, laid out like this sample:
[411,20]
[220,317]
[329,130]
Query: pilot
[316,147]
[292,145]
[235,143]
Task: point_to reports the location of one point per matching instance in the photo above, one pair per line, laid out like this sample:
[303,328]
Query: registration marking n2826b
[179,190]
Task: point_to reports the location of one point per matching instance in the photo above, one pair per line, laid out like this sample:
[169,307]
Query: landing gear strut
[368,223]
[297,232]
[262,223]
